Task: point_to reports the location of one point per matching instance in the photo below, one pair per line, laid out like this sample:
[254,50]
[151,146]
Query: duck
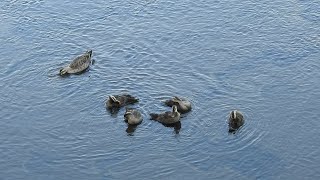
[132,116]
[78,65]
[182,104]
[236,120]
[118,101]
[169,117]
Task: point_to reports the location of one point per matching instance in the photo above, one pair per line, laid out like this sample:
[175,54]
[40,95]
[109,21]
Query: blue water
[261,57]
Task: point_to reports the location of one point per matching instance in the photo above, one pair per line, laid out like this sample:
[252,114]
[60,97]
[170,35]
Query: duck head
[89,53]
[114,101]
[173,101]
[233,114]
[175,110]
[128,112]
[235,120]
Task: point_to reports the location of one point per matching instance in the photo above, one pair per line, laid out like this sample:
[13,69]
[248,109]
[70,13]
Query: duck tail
[154,116]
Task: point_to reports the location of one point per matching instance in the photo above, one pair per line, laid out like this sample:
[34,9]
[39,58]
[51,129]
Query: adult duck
[169,117]
[78,65]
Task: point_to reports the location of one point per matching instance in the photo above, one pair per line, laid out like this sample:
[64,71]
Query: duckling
[182,104]
[79,64]
[118,101]
[236,120]
[167,117]
[132,116]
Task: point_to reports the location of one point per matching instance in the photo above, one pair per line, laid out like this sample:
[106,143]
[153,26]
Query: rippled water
[261,57]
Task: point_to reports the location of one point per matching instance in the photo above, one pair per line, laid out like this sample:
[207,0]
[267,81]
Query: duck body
[118,101]
[133,116]
[182,104]
[169,117]
[78,65]
[236,120]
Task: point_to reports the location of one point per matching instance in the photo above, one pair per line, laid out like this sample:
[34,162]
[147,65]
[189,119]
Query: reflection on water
[131,128]
[113,111]
[258,57]
[176,126]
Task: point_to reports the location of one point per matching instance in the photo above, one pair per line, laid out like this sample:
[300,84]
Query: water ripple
[260,58]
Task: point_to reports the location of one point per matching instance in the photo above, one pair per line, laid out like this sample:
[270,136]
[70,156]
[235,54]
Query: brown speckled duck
[236,120]
[168,117]
[78,65]
[182,104]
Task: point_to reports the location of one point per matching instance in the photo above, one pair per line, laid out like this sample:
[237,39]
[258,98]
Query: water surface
[260,57]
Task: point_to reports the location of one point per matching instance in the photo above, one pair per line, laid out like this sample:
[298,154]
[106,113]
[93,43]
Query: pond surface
[260,57]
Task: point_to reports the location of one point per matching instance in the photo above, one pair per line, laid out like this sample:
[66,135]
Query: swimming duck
[132,116]
[168,117]
[182,104]
[236,120]
[79,64]
[118,101]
